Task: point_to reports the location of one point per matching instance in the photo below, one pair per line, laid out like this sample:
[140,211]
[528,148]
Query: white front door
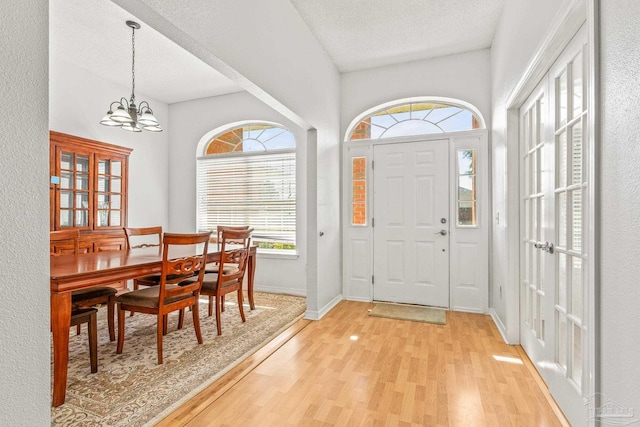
[555,184]
[411,223]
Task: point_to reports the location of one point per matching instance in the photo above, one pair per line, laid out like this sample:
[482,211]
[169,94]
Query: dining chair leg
[165,324]
[218,315]
[111,308]
[211,305]
[181,318]
[93,342]
[78,329]
[120,330]
[222,306]
[196,321]
[241,305]
[161,332]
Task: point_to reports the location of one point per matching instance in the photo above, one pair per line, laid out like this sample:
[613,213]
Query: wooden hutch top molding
[88,143]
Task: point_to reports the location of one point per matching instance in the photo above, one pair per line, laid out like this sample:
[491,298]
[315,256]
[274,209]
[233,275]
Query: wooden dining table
[73,272]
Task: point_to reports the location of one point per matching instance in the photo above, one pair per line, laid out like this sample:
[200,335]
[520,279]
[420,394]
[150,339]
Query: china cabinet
[88,191]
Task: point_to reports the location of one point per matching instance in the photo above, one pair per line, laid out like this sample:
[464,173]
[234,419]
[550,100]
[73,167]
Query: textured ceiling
[93,35]
[357,34]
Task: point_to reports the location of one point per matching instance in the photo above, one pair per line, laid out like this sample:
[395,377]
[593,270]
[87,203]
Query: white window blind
[258,190]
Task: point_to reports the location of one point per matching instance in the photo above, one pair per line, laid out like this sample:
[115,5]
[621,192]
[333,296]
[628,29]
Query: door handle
[442,232]
[546,246]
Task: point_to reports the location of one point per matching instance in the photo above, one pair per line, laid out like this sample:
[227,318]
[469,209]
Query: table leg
[252,271]
[60,321]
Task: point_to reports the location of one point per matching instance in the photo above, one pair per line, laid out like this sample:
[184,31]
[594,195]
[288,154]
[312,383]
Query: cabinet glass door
[109,193]
[74,190]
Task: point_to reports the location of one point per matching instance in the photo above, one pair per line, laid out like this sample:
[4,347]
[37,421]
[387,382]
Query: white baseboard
[317,315]
[358,299]
[500,326]
[468,310]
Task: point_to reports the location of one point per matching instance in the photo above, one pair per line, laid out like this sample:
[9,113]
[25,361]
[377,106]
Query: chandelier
[126,114]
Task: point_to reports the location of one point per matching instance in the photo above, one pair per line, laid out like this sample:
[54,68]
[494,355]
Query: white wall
[619,202]
[522,29]
[269,51]
[25,352]
[466,77]
[79,99]
[190,122]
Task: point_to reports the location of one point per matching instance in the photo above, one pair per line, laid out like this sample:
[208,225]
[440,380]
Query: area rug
[414,313]
[131,389]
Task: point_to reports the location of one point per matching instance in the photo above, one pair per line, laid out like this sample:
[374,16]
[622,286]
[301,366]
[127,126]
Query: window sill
[265,253]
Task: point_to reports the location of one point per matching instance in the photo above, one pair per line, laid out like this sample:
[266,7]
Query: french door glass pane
[527,261]
[527,219]
[535,302]
[529,306]
[562,160]
[66,199]
[576,355]
[576,154]
[562,340]
[576,287]
[562,280]
[561,84]
[578,85]
[576,220]
[533,170]
[562,219]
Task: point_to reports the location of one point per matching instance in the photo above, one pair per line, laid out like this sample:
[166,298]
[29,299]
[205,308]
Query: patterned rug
[131,389]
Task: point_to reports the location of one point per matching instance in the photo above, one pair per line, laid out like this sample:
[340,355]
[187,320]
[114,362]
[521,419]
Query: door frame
[574,14]
[357,279]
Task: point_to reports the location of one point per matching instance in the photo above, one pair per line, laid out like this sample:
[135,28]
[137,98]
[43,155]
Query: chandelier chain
[133,64]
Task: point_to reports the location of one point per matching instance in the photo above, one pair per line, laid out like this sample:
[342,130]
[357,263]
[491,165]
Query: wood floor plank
[394,373]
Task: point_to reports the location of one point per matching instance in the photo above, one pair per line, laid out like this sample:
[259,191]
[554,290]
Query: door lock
[442,232]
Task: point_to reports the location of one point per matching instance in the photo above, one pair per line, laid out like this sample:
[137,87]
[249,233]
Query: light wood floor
[395,373]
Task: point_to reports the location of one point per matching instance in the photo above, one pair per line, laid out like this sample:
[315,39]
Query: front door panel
[411,244]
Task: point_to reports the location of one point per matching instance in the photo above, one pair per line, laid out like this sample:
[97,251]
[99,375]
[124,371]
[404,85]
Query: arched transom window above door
[416,118]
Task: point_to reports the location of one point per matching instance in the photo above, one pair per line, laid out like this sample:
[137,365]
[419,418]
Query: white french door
[411,231]
[553,315]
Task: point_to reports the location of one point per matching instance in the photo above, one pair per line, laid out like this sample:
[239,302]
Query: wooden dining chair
[217,285]
[66,242]
[168,296]
[212,267]
[144,237]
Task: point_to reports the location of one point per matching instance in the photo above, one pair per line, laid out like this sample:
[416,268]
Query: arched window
[416,118]
[246,175]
